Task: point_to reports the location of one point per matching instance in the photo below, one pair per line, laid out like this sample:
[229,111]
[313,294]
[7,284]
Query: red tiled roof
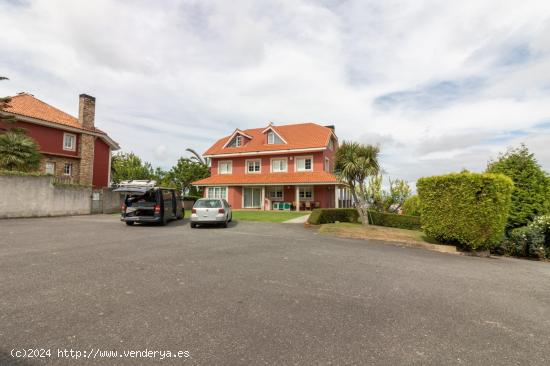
[27,105]
[269,178]
[298,136]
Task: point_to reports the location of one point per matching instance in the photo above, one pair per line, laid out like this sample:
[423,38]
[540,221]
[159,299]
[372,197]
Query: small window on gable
[273,138]
[331,144]
[236,141]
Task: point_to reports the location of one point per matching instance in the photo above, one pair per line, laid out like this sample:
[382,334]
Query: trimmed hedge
[328,215]
[190,198]
[467,209]
[394,220]
[411,206]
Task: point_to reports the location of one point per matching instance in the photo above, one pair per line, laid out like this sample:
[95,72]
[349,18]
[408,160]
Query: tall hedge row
[467,209]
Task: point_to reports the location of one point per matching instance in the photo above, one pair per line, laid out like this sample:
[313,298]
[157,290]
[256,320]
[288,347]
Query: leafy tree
[187,171]
[18,152]
[530,197]
[387,200]
[129,166]
[354,164]
[411,206]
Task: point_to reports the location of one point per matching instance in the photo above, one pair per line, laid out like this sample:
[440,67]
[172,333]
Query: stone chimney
[86,111]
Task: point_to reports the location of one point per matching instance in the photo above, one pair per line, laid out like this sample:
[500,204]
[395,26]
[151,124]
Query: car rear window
[136,198]
[208,204]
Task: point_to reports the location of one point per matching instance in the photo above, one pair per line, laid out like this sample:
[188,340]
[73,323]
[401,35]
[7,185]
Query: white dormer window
[331,144]
[69,142]
[238,140]
[225,167]
[270,138]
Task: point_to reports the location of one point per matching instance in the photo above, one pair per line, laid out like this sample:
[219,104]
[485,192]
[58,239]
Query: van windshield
[208,204]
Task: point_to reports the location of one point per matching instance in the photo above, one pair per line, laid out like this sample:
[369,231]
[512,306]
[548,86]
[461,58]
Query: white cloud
[187,72]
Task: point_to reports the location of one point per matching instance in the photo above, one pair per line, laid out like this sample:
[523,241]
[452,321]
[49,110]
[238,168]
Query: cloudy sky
[440,85]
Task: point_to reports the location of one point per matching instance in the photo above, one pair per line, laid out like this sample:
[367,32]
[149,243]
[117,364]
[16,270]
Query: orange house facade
[287,167]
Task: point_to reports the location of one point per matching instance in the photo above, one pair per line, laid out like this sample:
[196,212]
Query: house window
[69,142]
[217,192]
[306,193]
[254,166]
[279,165]
[273,138]
[238,140]
[275,193]
[331,144]
[225,167]
[68,169]
[327,164]
[304,164]
[50,168]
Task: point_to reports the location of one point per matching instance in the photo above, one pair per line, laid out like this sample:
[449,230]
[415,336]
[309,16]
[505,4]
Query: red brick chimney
[86,111]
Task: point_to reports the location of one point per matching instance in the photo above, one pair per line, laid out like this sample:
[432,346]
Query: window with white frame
[254,166]
[275,193]
[238,140]
[279,165]
[50,168]
[225,167]
[304,164]
[327,164]
[306,193]
[69,142]
[217,192]
[68,169]
[273,138]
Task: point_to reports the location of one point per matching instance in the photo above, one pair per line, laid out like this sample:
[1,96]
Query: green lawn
[270,216]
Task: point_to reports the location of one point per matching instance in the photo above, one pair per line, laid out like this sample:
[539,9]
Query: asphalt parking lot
[260,293]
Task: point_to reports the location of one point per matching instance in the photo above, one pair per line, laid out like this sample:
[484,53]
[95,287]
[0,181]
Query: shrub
[328,215]
[467,209]
[394,220]
[526,241]
[191,198]
[411,206]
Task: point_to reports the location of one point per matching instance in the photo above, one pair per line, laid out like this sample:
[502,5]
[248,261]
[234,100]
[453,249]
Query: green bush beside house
[331,215]
[467,209]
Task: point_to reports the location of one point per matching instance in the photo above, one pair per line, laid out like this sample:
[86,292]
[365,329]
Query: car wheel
[231,218]
[130,223]
[224,223]
[193,225]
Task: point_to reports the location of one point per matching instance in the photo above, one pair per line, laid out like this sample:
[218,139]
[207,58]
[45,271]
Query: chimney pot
[86,111]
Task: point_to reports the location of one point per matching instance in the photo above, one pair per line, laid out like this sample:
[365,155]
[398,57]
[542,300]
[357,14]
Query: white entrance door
[252,197]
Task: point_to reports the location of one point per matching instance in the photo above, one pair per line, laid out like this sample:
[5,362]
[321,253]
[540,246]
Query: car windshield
[208,204]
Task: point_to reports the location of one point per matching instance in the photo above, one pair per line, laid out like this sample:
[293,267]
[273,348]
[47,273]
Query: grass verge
[413,238]
[267,216]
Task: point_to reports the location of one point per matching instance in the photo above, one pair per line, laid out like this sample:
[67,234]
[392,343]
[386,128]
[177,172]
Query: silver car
[211,211]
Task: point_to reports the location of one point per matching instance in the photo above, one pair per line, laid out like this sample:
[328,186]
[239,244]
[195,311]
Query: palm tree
[18,152]
[354,164]
[196,156]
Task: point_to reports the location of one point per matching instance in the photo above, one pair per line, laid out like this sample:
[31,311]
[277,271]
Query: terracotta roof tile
[269,178]
[297,136]
[27,105]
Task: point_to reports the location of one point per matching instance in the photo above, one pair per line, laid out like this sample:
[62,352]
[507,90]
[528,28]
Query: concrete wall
[38,197]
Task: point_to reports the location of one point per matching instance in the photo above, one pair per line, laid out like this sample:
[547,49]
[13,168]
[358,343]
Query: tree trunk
[361,206]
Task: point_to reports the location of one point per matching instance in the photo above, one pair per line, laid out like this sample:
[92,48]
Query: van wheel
[180,217]
[163,221]
[130,223]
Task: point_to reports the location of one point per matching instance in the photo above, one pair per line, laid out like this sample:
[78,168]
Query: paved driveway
[260,293]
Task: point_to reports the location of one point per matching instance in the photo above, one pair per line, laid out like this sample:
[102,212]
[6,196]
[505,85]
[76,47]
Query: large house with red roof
[274,167]
[73,149]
